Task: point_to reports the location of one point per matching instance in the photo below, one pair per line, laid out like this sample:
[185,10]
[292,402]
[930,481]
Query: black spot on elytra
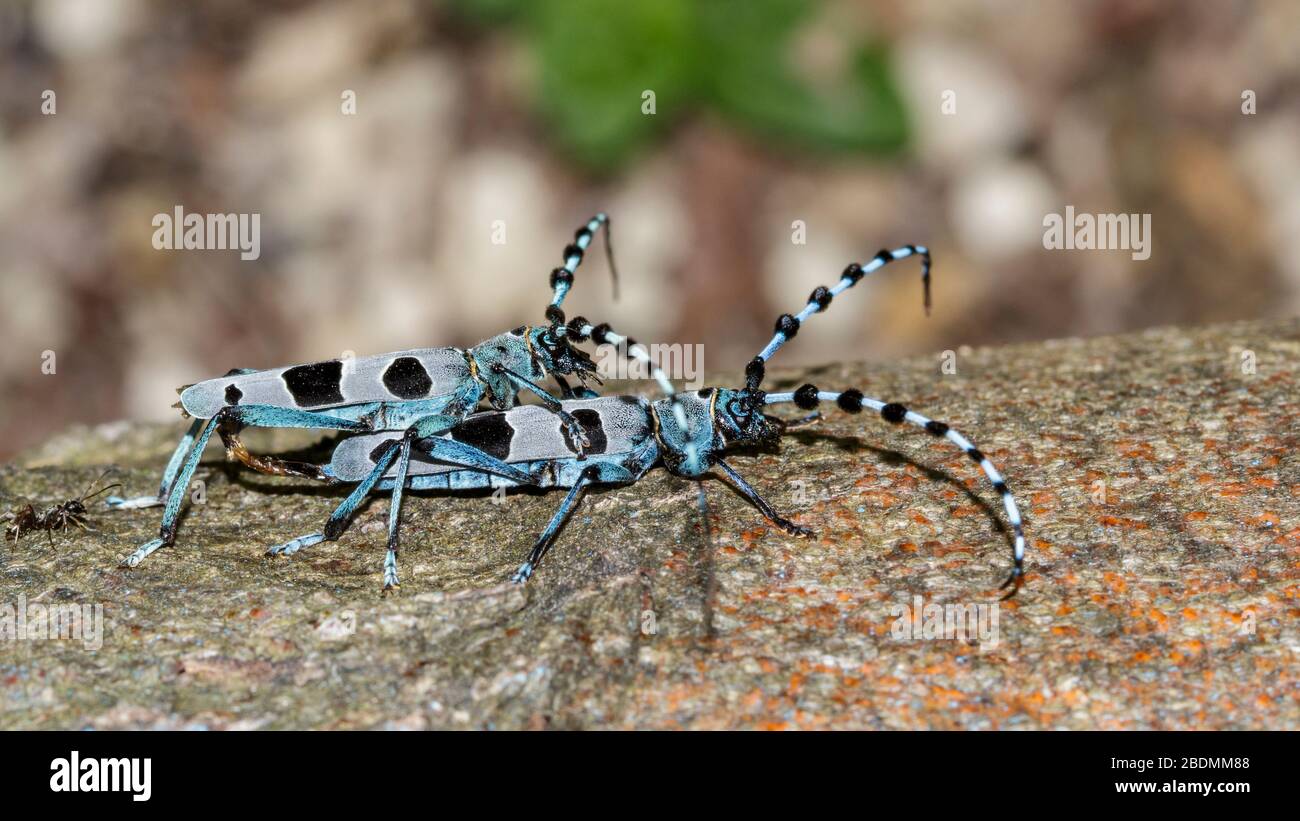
[594,428]
[233,395]
[406,378]
[315,385]
[377,452]
[489,432]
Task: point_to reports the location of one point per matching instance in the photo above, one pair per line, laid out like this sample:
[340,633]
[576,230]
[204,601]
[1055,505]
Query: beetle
[424,391]
[688,433]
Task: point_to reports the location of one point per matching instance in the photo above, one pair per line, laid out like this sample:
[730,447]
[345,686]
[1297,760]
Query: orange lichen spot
[796,683]
[1264,481]
[823,617]
[1119,521]
[883,498]
[1196,516]
[1142,656]
[1266,519]
[1232,489]
[1159,618]
[1114,581]
[1189,613]
[1137,450]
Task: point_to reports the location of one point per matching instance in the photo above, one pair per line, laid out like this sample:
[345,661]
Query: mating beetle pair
[424,390]
[419,431]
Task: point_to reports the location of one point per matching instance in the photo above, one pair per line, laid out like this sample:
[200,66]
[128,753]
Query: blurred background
[958,124]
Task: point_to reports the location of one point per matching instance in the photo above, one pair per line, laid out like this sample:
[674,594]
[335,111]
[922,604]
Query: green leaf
[596,60]
[753,84]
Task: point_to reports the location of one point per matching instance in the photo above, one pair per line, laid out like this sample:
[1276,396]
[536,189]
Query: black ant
[25,519]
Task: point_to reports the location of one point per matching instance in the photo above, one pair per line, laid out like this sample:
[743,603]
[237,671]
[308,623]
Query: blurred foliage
[596,58]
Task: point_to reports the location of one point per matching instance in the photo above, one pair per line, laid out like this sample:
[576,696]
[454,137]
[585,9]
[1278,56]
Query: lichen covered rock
[1157,471]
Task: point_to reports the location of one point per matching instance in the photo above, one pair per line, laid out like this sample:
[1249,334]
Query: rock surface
[1158,473]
